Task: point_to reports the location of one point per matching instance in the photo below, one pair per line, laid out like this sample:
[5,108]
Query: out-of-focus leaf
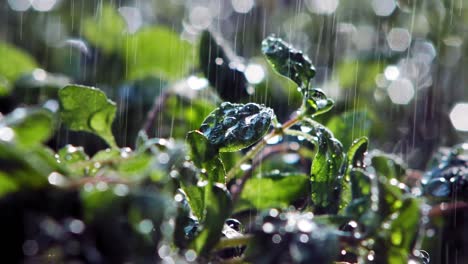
[27,168]
[38,87]
[388,166]
[395,239]
[288,61]
[183,115]
[350,125]
[232,127]
[448,175]
[31,126]
[158,51]
[221,67]
[105,30]
[14,63]
[277,239]
[273,191]
[84,108]
[360,74]
[218,206]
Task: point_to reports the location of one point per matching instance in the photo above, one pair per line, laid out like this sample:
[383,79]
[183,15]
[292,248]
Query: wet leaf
[196,200]
[273,191]
[232,127]
[84,108]
[326,172]
[15,62]
[218,206]
[31,126]
[158,51]
[205,156]
[354,159]
[317,102]
[356,152]
[222,68]
[288,61]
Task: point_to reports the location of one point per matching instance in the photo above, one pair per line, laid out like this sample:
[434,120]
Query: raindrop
[254,73]
[197,83]
[383,7]
[121,189]
[268,227]
[322,7]
[43,5]
[399,39]
[245,166]
[305,226]
[77,44]
[291,158]
[200,17]
[6,134]
[401,91]
[190,255]
[457,116]
[76,226]
[145,226]
[164,251]
[132,17]
[19,5]
[274,140]
[391,72]
[304,238]
[242,6]
[276,239]
[163,158]
[30,247]
[101,186]
[56,178]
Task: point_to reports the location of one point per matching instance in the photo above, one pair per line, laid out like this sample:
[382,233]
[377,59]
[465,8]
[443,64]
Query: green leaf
[354,159]
[196,199]
[389,166]
[288,61]
[350,125]
[218,206]
[31,126]
[356,152]
[158,51]
[106,29]
[232,127]
[205,156]
[220,65]
[15,62]
[84,108]
[394,242]
[316,102]
[273,191]
[25,167]
[326,175]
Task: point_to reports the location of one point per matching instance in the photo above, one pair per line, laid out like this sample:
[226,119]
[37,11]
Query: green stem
[233,242]
[260,145]
[298,133]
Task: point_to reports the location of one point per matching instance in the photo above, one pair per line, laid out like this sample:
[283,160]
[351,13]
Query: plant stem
[260,145]
[233,242]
